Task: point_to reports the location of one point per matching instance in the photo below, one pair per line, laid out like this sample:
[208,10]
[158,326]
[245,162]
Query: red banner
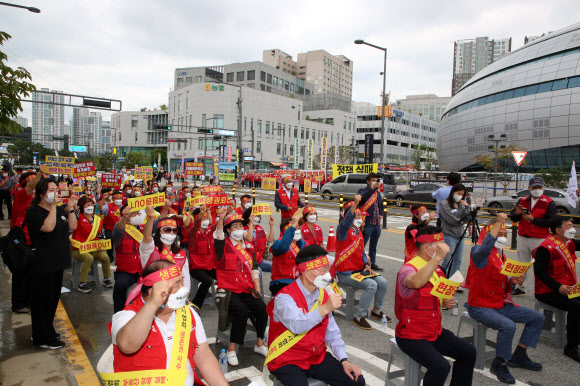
[207,190]
[84,169]
[110,180]
[194,168]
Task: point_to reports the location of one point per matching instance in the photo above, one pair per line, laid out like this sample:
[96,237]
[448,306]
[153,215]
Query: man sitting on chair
[303,311]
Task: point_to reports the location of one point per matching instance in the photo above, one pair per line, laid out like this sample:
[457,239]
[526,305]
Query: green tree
[345,154]
[163,152]
[133,159]
[163,106]
[104,162]
[23,151]
[13,86]
[386,98]
[556,177]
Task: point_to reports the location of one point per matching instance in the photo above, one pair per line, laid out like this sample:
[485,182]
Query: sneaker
[518,292]
[375,267]
[83,288]
[262,350]
[379,316]
[572,352]
[108,283]
[524,361]
[232,358]
[23,310]
[53,345]
[501,371]
[361,323]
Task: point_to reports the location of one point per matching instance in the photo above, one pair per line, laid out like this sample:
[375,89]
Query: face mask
[432,255]
[257,220]
[118,202]
[49,197]
[136,221]
[65,177]
[178,299]
[297,235]
[237,234]
[5,174]
[500,242]
[169,189]
[457,197]
[89,209]
[137,194]
[168,239]
[155,189]
[357,223]
[129,191]
[570,233]
[311,219]
[322,281]
[205,224]
[425,217]
[289,185]
[248,205]
[537,192]
[187,195]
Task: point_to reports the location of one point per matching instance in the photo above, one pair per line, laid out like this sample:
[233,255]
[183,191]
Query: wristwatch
[343,359]
[71,211]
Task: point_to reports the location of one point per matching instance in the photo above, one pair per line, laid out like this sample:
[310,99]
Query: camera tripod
[474,237]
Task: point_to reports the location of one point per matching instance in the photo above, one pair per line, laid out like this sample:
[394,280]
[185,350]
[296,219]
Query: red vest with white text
[83,229]
[558,268]
[312,238]
[202,252]
[259,241]
[284,265]
[528,229]
[285,200]
[488,286]
[232,272]
[113,217]
[354,261]
[127,254]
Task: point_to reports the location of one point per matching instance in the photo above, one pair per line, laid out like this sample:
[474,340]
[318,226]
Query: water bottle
[223,360]
[455,310]
[384,321]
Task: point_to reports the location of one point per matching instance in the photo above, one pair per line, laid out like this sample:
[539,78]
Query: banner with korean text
[84,169]
[194,168]
[337,170]
[111,180]
[59,165]
[323,149]
[140,203]
[144,173]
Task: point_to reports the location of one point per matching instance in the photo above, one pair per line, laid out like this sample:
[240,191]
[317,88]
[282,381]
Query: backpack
[16,254]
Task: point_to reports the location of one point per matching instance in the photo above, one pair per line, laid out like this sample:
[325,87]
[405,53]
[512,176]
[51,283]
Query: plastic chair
[556,321]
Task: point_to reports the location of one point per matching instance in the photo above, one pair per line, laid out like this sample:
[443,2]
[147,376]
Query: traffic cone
[331,243]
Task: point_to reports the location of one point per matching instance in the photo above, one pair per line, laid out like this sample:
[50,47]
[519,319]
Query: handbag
[16,254]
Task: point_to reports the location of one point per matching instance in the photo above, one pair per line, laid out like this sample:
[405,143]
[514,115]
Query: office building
[532,96]
[106,137]
[470,56]
[48,118]
[21,121]
[133,131]
[91,132]
[427,105]
[77,136]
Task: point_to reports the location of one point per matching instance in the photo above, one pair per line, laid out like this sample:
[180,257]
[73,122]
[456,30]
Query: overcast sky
[128,49]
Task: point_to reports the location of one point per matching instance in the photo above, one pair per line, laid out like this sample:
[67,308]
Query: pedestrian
[286,198]
[372,203]
[6,184]
[421,217]
[442,194]
[284,252]
[48,226]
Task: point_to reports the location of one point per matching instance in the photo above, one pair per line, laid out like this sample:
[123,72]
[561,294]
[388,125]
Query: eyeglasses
[169,230]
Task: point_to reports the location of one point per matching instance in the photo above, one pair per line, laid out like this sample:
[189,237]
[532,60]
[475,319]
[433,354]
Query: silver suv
[350,184]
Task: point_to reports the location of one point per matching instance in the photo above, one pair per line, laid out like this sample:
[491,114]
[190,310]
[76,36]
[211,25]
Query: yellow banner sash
[419,263]
[134,232]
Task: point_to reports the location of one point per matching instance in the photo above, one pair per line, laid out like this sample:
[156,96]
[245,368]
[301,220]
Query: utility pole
[354,150]
[241,149]
[252,131]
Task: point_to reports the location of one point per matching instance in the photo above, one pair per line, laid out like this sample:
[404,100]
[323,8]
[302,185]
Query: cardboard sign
[269,183]
[91,178]
[194,168]
[515,268]
[360,277]
[445,288]
[144,173]
[63,186]
[84,169]
[78,189]
[227,179]
[207,190]
[217,200]
[337,170]
[187,204]
[335,288]
[111,180]
[575,292]
[198,200]
[307,186]
[59,165]
[139,203]
[261,209]
[94,245]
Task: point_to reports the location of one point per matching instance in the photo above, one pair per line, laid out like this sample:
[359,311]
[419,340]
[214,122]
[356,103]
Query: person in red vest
[419,333]
[137,192]
[201,252]
[185,194]
[305,307]
[260,239]
[112,213]
[287,198]
[245,203]
[533,213]
[311,233]
[145,332]
[154,188]
[126,244]
[555,271]
[237,272]
[127,192]
[421,217]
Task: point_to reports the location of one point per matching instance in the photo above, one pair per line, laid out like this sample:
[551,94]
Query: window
[560,84]
[287,85]
[259,127]
[218,121]
[275,81]
[280,129]
[262,76]
[252,75]
[531,90]
[134,122]
[302,132]
[339,179]
[259,146]
[307,134]
[230,77]
[269,79]
[187,102]
[267,127]
[203,120]
[519,92]
[240,76]
[295,131]
[278,148]
[356,179]
[136,138]
[574,82]
[245,125]
[545,87]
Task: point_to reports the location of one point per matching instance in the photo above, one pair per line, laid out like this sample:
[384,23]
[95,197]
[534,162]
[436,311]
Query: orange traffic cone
[331,243]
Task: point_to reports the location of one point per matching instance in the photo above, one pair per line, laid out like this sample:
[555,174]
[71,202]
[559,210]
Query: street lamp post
[360,41]
[494,148]
[31,9]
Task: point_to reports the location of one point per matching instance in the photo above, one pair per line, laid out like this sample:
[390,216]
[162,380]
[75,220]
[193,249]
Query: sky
[129,49]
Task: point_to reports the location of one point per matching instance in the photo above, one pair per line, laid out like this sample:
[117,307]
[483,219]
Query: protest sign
[360,277]
[84,169]
[575,292]
[445,288]
[94,245]
[217,200]
[144,173]
[111,180]
[207,190]
[59,165]
[194,168]
[198,200]
[515,268]
[261,209]
[337,170]
[139,203]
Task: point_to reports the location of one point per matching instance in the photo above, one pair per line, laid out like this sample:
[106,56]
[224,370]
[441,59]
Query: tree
[163,106]
[133,159]
[143,108]
[13,86]
[556,177]
[24,151]
[504,165]
[345,154]
[104,162]
[151,161]
[386,98]
[423,154]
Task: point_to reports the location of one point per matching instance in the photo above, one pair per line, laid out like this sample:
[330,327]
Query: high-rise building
[21,121]
[77,135]
[91,132]
[472,55]
[106,137]
[47,118]
[426,105]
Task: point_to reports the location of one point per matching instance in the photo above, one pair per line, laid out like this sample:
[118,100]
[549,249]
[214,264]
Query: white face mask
[129,191]
[432,255]
[65,177]
[289,185]
[4,174]
[537,192]
[118,202]
[136,221]
[248,205]
[168,239]
[49,197]
[257,220]
[178,299]
[500,243]
[169,189]
[137,194]
[322,281]
[570,233]
[357,223]
[311,219]
[205,224]
[238,234]
[425,217]
[155,189]
[187,195]
[297,235]
[457,197]
[89,209]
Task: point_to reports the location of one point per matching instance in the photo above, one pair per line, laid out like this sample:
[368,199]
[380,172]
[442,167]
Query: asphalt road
[90,314]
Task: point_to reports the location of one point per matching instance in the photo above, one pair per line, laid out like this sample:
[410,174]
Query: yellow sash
[167,255]
[349,251]
[286,340]
[96,225]
[134,232]
[177,371]
[248,259]
[419,263]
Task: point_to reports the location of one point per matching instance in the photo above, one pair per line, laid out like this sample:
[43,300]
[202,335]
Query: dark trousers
[276,287]
[329,371]
[572,306]
[240,308]
[44,297]
[123,281]
[19,292]
[430,355]
[5,197]
[372,233]
[110,252]
[206,278]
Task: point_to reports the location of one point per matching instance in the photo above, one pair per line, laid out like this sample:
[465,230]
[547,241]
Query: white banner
[310,153]
[573,186]
[337,139]
[296,154]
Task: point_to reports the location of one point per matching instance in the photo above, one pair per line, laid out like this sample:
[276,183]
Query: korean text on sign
[84,169]
[91,246]
[261,209]
[194,168]
[198,200]
[212,190]
[140,203]
[144,172]
[515,268]
[217,200]
[360,277]
[59,165]
[111,180]
[337,170]
[445,288]
[575,291]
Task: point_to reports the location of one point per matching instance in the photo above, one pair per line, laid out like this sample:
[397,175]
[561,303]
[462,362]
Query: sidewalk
[25,365]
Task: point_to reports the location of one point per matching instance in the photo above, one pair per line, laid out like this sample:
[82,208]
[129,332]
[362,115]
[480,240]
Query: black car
[418,193]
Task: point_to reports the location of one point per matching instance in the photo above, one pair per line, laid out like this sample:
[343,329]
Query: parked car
[418,193]
[559,196]
[350,184]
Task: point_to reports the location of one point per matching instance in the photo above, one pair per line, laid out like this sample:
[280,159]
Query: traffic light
[202,130]
[241,160]
[169,127]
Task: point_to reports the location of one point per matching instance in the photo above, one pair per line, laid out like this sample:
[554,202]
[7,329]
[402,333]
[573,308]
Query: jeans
[123,281]
[563,303]
[372,232]
[430,355]
[504,321]
[266,266]
[453,243]
[373,286]
[87,260]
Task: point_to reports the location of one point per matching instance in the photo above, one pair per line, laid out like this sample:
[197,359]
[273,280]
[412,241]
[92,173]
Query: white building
[21,121]
[47,118]
[132,131]
[427,105]
[106,137]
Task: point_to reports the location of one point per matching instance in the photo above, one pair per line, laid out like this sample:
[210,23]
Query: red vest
[285,200]
[410,246]
[564,272]
[177,258]
[84,227]
[419,315]
[311,349]
[488,286]
[239,210]
[152,355]
[127,254]
[312,238]
[113,217]
[232,271]
[352,247]
[528,229]
[259,241]
[284,265]
[202,252]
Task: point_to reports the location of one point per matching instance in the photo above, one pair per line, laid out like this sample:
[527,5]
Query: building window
[203,120]
[295,131]
[278,148]
[134,122]
[307,134]
[252,75]
[259,146]
[259,127]
[136,138]
[245,125]
[275,81]
[187,102]
[280,129]
[179,103]
[262,76]
[287,85]
[269,78]
[218,121]
[188,80]
[240,76]
[302,133]
[230,77]
[267,127]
